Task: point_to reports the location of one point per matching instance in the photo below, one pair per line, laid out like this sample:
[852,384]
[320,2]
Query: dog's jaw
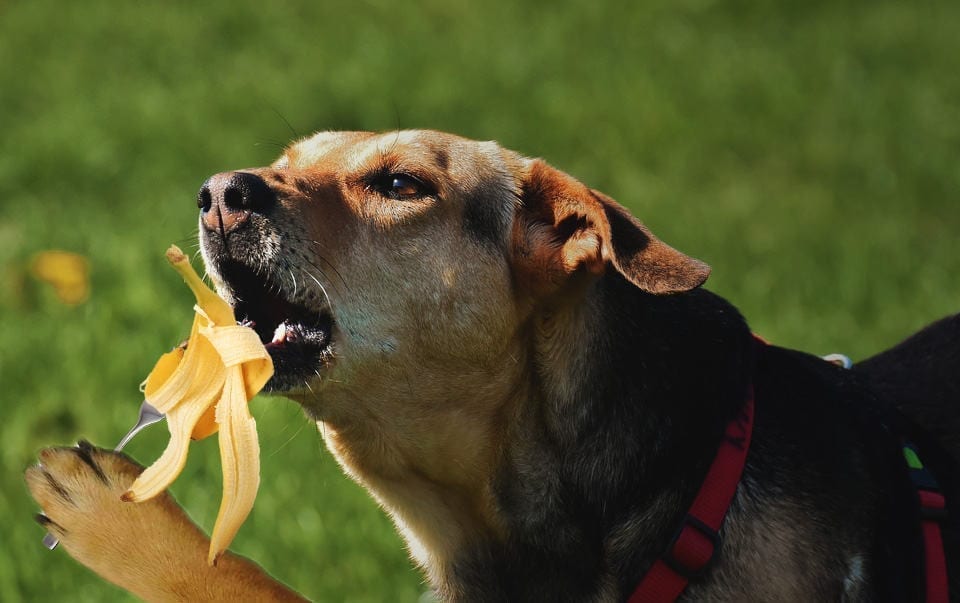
[294,321]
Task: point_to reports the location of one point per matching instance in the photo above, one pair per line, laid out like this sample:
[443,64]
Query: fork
[148,416]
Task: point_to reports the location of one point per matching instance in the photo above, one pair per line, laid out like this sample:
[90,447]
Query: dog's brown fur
[151,549]
[468,322]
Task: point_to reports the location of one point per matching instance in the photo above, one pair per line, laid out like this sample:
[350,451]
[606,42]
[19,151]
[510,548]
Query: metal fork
[148,416]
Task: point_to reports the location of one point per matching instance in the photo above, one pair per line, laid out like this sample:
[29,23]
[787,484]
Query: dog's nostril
[233,197]
[204,200]
[246,191]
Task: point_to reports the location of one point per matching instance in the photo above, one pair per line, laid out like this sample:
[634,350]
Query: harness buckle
[691,552]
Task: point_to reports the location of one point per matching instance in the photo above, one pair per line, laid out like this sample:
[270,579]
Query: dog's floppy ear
[563,227]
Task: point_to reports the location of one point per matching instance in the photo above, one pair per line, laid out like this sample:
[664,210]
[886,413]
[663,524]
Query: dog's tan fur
[151,549]
[443,312]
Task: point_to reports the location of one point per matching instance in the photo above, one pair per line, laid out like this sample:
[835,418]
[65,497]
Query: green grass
[806,150]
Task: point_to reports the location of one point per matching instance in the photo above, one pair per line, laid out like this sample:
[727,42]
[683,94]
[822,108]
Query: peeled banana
[204,388]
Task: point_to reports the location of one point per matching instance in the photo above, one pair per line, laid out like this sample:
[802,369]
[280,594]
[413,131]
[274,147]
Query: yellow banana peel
[203,389]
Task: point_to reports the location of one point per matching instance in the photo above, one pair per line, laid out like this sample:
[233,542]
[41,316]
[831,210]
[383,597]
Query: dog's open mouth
[297,334]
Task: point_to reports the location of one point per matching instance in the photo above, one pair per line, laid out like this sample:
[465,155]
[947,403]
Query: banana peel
[204,389]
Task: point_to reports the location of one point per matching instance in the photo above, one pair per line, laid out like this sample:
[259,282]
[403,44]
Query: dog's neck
[429,464]
[631,395]
[610,414]
[680,360]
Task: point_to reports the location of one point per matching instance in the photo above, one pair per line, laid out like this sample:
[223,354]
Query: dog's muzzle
[294,322]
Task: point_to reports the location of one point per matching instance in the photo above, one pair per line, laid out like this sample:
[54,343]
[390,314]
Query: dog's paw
[70,481]
[79,492]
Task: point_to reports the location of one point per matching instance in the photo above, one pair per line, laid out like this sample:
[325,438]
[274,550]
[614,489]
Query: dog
[532,385]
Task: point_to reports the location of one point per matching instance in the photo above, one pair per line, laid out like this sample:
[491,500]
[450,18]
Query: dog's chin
[298,335]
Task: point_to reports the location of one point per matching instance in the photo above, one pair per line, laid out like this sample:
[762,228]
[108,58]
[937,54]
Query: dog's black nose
[226,200]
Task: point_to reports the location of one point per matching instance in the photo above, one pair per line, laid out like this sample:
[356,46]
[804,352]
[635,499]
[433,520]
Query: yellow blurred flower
[69,273]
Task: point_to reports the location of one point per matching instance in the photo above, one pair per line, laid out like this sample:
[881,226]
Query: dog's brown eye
[399,186]
[404,187]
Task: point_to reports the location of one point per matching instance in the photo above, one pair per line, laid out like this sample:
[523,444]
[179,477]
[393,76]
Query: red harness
[696,541]
[933,510]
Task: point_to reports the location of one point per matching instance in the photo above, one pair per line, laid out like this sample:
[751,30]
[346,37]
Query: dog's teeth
[280,334]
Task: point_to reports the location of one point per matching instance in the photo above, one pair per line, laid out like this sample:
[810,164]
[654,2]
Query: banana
[204,389]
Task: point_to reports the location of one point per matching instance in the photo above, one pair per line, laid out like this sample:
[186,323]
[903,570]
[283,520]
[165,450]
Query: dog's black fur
[627,452]
[921,377]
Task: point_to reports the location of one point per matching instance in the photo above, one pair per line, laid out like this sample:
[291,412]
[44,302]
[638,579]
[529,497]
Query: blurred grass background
[807,150]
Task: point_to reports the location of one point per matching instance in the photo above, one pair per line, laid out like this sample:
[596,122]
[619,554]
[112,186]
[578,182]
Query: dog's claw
[49,540]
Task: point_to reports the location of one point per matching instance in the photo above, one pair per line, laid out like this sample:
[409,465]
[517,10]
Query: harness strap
[696,541]
[933,510]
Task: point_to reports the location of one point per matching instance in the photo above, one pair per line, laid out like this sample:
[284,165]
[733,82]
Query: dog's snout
[226,200]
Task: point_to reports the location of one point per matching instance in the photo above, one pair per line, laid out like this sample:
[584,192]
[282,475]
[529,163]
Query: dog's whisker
[192,238]
[288,440]
[284,119]
[328,263]
[271,143]
[294,279]
[326,278]
[322,288]
[324,275]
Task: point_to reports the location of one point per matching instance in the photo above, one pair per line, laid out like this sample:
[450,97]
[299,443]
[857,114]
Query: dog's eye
[403,186]
[399,186]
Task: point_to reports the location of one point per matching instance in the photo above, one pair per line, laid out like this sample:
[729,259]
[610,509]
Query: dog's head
[362,256]
[397,278]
